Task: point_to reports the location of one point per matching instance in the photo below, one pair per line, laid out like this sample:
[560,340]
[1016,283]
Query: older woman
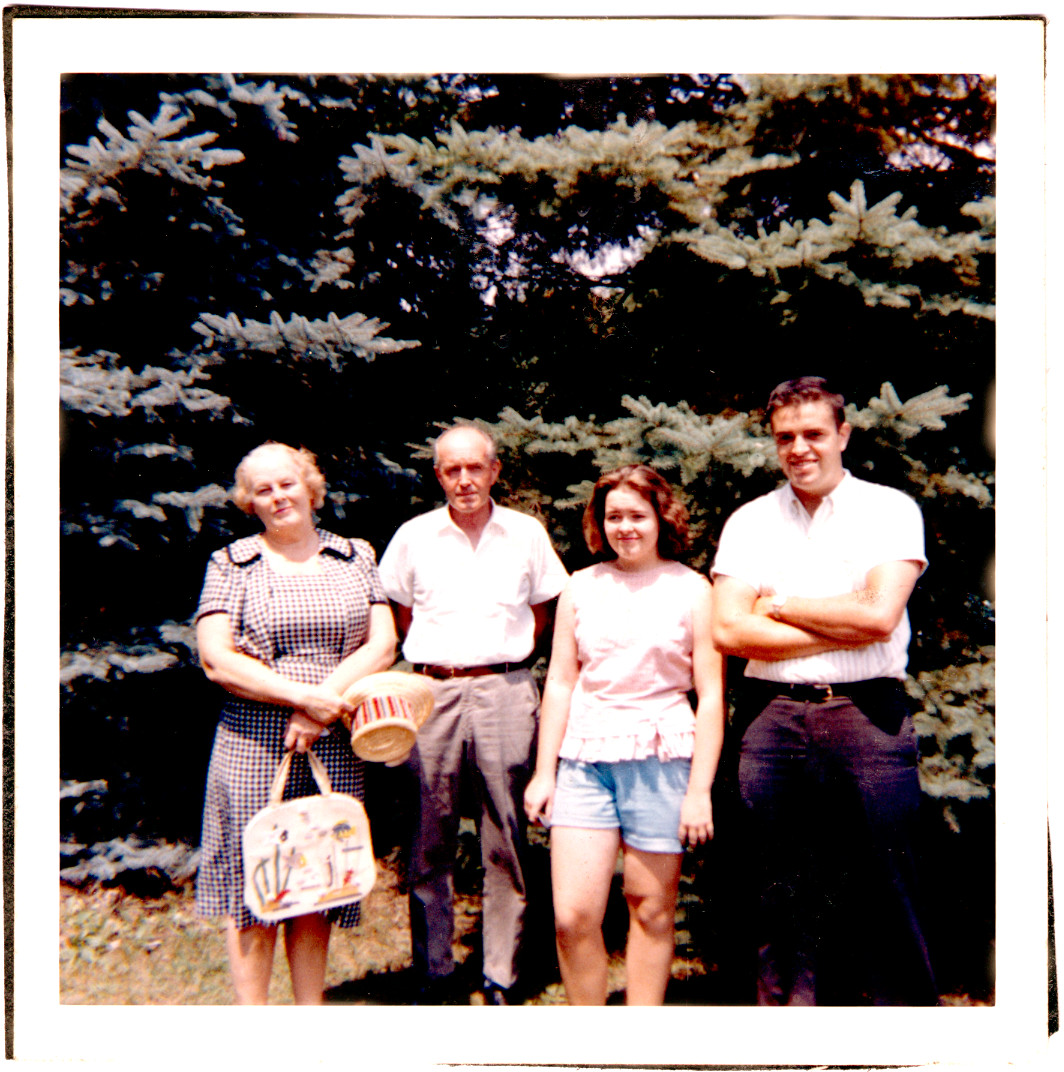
[287,621]
[631,639]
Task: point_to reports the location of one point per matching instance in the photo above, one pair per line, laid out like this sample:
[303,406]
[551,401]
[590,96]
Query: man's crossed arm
[809,625]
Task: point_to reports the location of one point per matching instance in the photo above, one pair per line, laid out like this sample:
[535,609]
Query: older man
[811,586]
[471,583]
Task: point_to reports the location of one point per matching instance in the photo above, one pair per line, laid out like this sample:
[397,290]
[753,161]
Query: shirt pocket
[505,579]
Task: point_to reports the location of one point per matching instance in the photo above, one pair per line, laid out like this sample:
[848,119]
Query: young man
[471,584]
[811,586]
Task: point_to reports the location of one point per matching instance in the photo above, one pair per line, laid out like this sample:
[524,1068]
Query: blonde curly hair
[306,465]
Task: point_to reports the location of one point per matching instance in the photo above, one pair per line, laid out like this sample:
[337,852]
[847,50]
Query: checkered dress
[302,626]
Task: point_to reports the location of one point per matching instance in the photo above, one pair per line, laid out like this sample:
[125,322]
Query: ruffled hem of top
[663,747]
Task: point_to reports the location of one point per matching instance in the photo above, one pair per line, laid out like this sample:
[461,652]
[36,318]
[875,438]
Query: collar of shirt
[796,510]
[450,528]
[245,551]
[471,605]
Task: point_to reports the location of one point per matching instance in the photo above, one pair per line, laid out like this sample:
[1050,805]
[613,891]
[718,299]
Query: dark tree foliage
[601,269]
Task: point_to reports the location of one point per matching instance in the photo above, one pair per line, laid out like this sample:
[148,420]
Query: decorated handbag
[308,854]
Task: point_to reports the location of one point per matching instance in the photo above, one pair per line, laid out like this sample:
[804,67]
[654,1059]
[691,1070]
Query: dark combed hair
[806,389]
[673,537]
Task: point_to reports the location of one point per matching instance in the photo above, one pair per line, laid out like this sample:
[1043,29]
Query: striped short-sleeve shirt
[772,544]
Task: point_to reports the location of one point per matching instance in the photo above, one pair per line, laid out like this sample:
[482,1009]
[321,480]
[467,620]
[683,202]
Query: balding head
[466,468]
[463,431]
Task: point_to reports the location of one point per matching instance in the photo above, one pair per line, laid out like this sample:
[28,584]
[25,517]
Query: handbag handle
[317,768]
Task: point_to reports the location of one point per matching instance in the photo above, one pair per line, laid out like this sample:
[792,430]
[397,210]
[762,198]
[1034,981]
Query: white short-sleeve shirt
[772,544]
[472,606]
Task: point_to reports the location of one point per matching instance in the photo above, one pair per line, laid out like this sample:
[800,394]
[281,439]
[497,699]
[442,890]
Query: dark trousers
[830,792]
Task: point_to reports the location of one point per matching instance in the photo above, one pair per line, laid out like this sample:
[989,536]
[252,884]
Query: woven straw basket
[390,708]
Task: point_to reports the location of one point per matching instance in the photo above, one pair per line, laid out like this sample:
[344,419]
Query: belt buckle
[828,694]
[440,673]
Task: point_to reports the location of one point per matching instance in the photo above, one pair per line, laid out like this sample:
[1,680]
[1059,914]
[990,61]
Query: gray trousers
[477,743]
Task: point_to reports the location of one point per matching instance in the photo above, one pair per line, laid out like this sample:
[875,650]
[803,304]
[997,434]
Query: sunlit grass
[117,948]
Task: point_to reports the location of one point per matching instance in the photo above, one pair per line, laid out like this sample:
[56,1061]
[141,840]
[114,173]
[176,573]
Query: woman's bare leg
[651,880]
[306,940]
[250,961]
[582,863]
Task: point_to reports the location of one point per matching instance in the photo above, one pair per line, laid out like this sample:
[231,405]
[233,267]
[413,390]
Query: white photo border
[1013,1030]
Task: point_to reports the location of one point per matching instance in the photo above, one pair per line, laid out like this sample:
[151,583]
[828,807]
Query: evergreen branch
[579,496]
[105,861]
[271,99]
[951,482]
[145,652]
[99,385]
[876,103]
[924,411]
[193,503]
[674,436]
[158,450]
[317,339]
[877,233]
[104,664]
[984,211]
[950,146]
[141,510]
[111,530]
[657,434]
[689,162]
[92,170]
[958,703]
[327,268]
[268,97]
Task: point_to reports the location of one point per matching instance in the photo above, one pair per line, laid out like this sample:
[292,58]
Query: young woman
[287,621]
[631,639]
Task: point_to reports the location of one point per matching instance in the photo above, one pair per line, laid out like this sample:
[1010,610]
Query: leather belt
[445,672]
[823,693]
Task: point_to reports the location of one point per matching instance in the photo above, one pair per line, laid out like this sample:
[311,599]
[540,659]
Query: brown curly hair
[673,536]
[306,465]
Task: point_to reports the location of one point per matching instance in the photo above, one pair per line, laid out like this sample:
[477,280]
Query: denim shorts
[640,797]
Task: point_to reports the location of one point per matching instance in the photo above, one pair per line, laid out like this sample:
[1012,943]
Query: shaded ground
[118,948]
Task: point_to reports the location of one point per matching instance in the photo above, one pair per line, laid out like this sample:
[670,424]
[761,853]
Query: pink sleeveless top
[634,641]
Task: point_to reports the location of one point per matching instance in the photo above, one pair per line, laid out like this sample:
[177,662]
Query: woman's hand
[324,704]
[301,732]
[539,798]
[246,676]
[696,819]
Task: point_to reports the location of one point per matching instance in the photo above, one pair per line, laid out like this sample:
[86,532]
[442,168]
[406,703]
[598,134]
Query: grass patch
[118,948]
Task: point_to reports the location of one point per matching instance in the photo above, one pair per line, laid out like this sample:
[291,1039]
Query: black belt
[444,672]
[834,690]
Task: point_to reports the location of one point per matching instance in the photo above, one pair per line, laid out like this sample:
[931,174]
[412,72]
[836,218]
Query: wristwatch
[778,599]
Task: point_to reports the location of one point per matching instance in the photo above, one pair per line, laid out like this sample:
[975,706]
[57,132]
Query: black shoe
[495,994]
